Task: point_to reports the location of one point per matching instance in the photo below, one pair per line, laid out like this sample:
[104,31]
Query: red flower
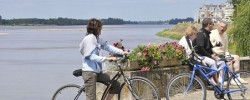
[116,44]
[123,48]
[147,55]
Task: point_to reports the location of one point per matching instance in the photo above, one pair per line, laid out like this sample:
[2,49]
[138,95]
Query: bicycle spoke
[68,92]
[176,88]
[141,88]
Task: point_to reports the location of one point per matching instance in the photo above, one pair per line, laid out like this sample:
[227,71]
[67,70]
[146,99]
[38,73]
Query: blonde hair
[191,30]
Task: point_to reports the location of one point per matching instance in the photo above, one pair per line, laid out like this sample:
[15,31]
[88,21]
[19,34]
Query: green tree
[240,30]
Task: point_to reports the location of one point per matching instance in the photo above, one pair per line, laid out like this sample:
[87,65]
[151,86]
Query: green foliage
[178,20]
[240,29]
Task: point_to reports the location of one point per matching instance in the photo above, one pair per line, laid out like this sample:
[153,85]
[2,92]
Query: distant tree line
[70,21]
[177,20]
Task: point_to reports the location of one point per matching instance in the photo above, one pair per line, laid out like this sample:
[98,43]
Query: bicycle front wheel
[242,82]
[141,89]
[69,92]
[177,86]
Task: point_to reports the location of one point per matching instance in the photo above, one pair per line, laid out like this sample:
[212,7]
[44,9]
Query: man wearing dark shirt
[204,46]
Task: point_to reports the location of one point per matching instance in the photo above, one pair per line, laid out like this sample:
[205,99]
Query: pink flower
[139,54]
[149,45]
[160,47]
[145,50]
[155,62]
[145,69]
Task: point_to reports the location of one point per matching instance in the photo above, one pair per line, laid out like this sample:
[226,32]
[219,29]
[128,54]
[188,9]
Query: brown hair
[94,26]
[206,21]
[191,30]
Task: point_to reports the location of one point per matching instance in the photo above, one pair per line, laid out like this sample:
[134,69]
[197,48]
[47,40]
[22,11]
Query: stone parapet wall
[245,63]
[161,76]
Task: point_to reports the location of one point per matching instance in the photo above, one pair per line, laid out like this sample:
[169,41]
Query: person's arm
[112,49]
[204,52]
[226,45]
[96,58]
[213,39]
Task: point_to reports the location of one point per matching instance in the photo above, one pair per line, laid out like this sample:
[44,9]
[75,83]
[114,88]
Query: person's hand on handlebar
[215,57]
[126,52]
[111,58]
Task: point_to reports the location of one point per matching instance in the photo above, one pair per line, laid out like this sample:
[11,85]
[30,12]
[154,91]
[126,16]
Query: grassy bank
[178,31]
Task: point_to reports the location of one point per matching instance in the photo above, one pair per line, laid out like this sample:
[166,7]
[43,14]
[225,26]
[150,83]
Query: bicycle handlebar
[122,58]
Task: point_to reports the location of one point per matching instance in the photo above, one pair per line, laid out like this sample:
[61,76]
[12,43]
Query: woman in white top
[191,34]
[91,60]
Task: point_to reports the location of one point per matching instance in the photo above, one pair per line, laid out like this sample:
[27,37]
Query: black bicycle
[133,88]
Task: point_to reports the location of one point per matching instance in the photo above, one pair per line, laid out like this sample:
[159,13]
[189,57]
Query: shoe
[224,84]
[242,81]
[220,81]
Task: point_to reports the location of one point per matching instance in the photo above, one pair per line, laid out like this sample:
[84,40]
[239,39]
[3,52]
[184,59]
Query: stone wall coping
[245,58]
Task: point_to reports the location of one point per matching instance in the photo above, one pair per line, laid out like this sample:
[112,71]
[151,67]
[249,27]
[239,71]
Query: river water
[37,60]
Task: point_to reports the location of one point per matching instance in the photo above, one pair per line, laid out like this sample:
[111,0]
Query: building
[217,12]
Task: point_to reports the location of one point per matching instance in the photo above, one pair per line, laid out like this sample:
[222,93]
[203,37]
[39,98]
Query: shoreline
[4,34]
[177,31]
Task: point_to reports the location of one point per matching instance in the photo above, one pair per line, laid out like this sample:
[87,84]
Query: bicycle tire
[232,86]
[142,87]
[68,92]
[176,87]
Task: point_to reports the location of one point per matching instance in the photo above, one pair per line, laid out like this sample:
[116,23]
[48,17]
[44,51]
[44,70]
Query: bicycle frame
[220,90]
[104,95]
[115,78]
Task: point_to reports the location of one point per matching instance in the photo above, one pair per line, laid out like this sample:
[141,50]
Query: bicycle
[189,86]
[139,88]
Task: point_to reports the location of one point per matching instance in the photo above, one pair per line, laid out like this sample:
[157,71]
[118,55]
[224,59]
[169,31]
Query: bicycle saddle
[77,72]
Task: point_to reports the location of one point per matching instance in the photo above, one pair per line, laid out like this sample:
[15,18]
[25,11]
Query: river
[36,60]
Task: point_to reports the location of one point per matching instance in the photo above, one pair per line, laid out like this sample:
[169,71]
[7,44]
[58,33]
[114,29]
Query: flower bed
[154,56]
[148,57]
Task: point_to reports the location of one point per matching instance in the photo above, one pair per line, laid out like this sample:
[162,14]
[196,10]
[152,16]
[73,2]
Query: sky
[128,10]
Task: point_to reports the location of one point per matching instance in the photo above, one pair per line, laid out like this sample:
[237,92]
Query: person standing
[204,47]
[219,40]
[91,60]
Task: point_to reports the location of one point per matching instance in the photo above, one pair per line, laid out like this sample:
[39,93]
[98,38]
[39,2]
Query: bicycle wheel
[237,84]
[69,92]
[177,86]
[141,87]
